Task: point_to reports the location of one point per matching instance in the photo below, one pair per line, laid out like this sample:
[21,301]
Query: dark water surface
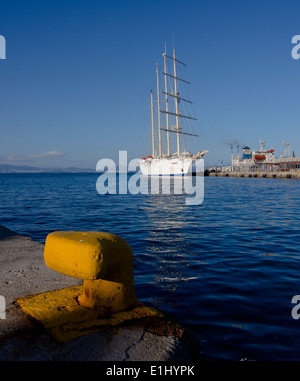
[227,268]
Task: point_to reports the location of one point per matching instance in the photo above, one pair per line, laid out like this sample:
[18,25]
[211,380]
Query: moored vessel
[181,161]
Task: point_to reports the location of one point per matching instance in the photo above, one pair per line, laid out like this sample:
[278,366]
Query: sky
[75,84]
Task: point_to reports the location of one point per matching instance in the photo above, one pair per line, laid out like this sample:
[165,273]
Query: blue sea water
[227,268]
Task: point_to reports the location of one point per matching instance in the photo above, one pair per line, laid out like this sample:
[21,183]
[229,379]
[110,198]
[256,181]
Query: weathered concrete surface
[23,272]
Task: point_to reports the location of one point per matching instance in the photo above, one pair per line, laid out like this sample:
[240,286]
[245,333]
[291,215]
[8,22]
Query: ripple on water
[227,268]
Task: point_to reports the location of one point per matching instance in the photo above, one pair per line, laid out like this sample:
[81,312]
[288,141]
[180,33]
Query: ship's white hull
[166,166]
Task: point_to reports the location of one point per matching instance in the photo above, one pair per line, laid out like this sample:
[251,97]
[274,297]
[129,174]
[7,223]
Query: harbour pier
[274,175]
[260,163]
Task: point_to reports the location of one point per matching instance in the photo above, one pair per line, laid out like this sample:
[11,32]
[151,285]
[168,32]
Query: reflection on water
[167,247]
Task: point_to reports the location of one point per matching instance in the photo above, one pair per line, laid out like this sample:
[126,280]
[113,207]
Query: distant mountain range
[8,168]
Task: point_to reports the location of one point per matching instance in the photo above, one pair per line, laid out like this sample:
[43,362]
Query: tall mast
[176,104]
[152,122]
[167,106]
[175,95]
[158,107]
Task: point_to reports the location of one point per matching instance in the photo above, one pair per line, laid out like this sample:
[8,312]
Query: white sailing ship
[180,162]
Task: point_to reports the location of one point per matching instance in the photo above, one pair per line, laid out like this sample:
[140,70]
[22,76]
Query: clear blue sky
[75,85]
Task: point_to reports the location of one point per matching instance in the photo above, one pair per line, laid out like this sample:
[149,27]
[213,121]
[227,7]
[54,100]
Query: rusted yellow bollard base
[65,319]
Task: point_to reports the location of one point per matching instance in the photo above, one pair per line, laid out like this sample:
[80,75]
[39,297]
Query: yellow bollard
[103,260]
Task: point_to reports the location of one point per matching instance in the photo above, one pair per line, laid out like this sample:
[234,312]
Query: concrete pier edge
[270,175]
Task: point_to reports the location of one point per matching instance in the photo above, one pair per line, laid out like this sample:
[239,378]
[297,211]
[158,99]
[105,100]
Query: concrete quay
[23,273]
[270,175]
